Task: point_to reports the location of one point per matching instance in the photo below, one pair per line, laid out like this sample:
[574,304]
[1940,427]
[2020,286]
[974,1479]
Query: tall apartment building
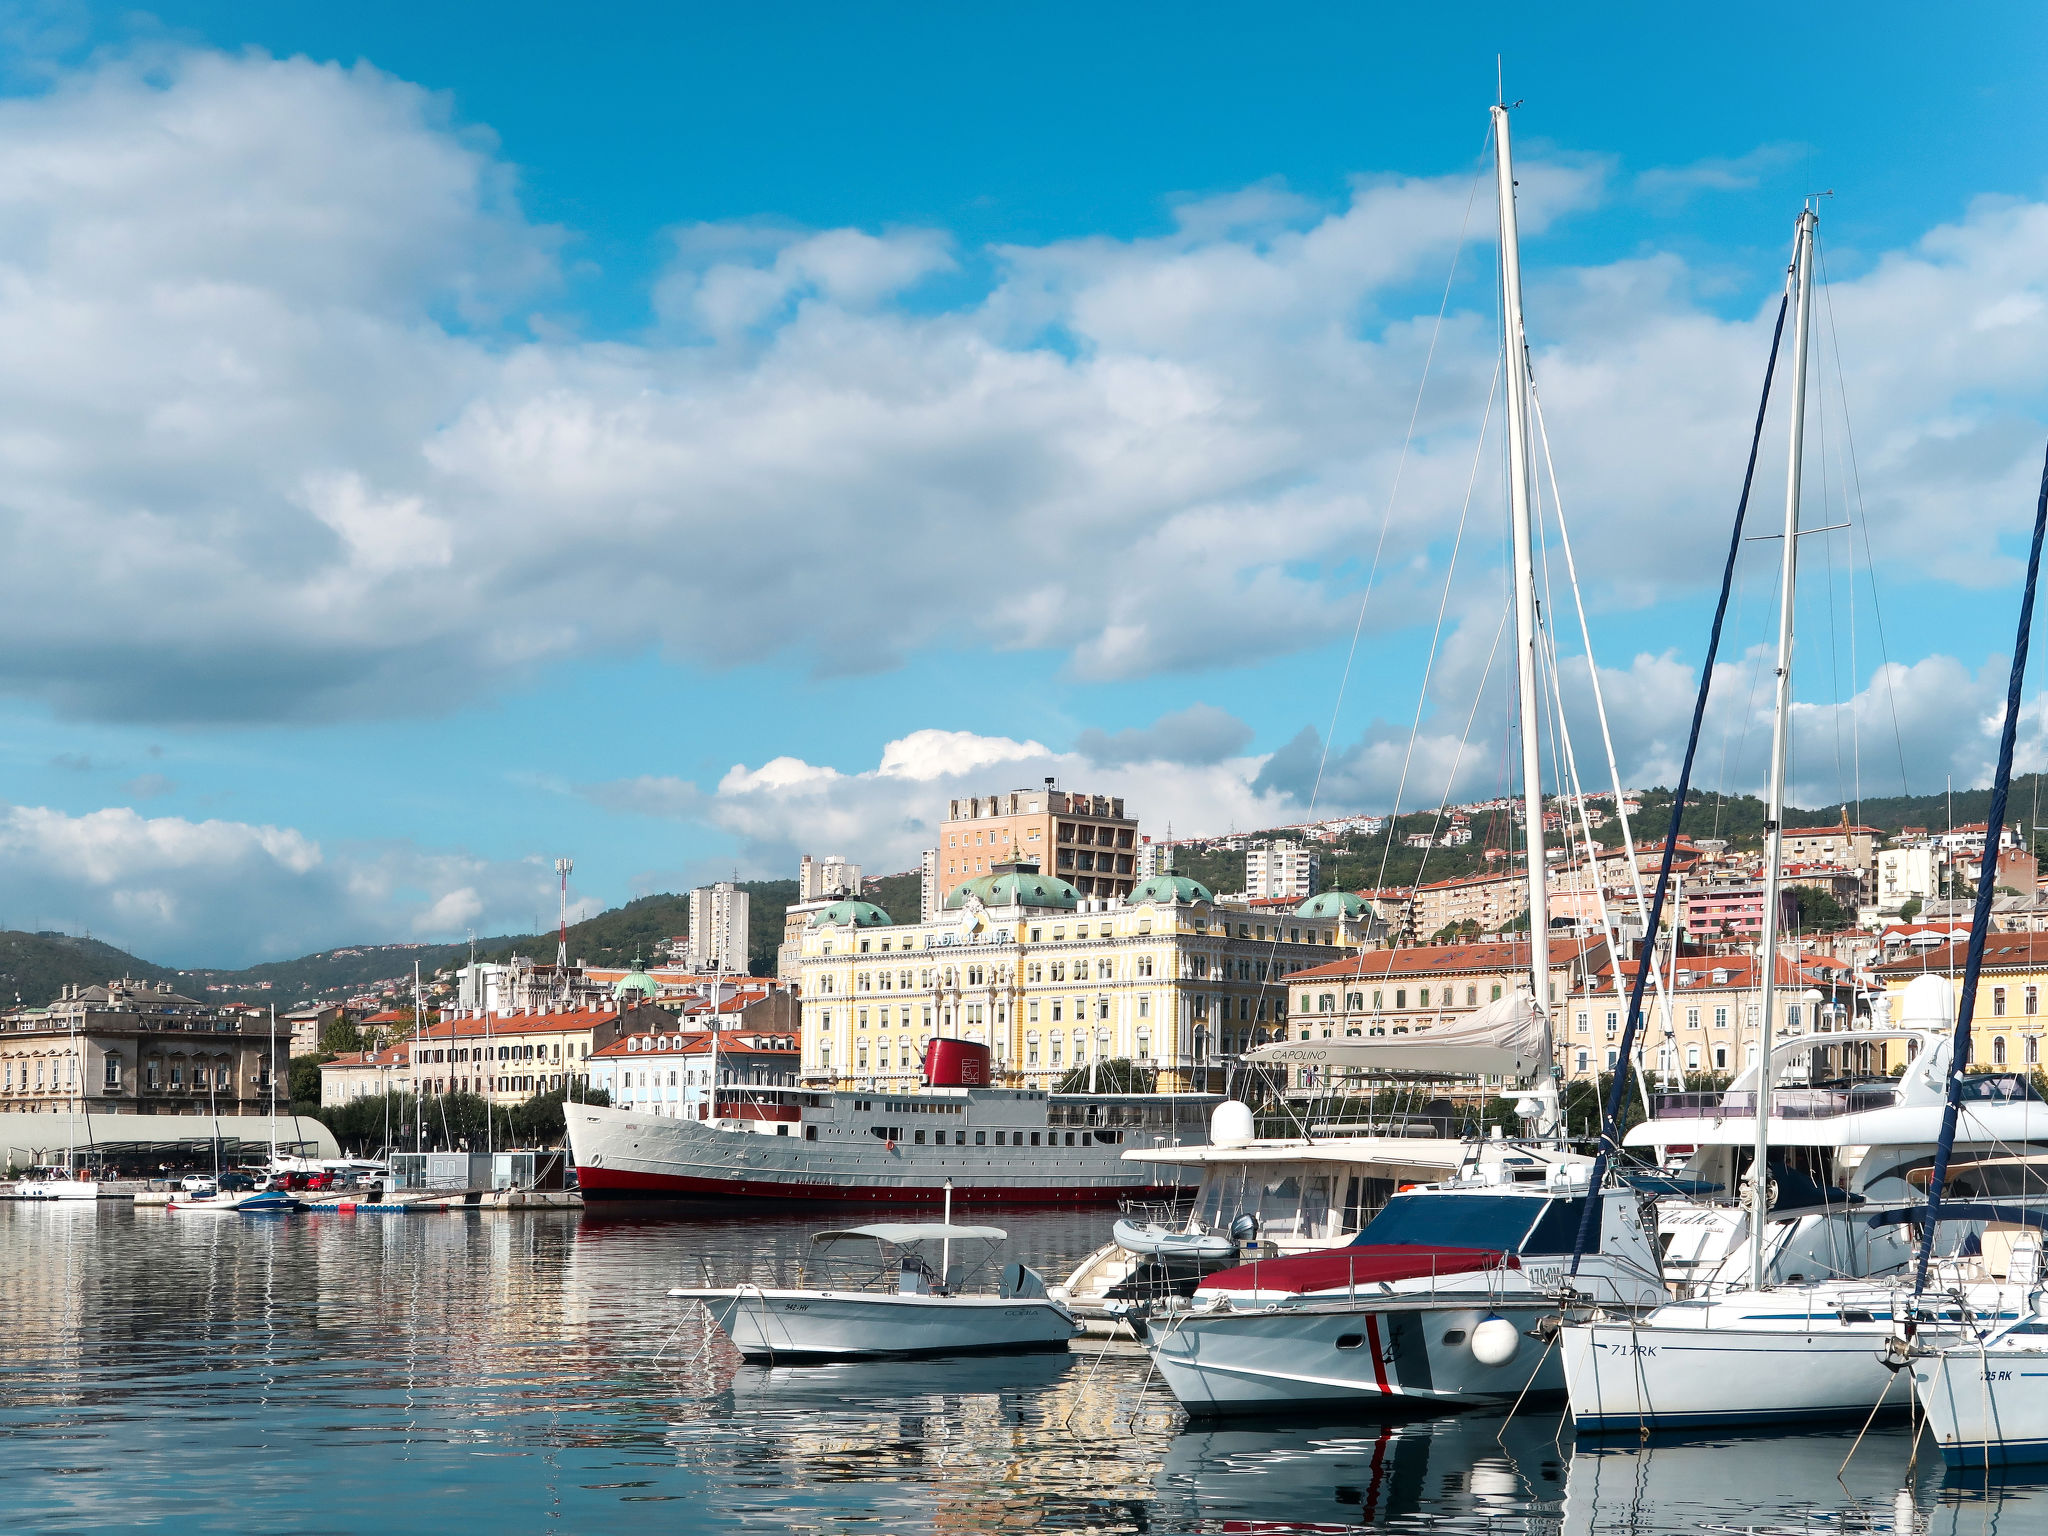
[1086,840]
[928,898]
[826,879]
[1281,868]
[718,928]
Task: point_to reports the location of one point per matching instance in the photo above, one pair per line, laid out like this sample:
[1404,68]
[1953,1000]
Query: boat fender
[1495,1341]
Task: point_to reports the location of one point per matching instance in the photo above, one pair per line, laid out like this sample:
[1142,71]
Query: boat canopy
[904,1233]
[1505,1037]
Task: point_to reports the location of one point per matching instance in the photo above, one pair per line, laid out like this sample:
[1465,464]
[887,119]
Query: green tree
[302,1079]
[344,1034]
[1119,1074]
[1910,910]
[1819,912]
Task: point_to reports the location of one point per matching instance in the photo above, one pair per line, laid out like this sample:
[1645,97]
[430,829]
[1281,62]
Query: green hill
[35,967]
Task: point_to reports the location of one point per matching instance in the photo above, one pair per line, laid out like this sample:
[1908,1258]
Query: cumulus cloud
[271,397]
[1200,734]
[187,892]
[885,816]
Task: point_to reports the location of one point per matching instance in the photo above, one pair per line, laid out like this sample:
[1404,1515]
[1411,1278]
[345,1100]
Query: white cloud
[228,893]
[262,401]
[885,816]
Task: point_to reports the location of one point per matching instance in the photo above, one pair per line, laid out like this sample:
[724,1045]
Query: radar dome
[1929,1003]
[1231,1124]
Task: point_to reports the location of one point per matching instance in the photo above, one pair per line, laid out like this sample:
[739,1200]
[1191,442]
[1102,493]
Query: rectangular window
[1400,997]
[1998,1002]
[1692,1018]
[1422,998]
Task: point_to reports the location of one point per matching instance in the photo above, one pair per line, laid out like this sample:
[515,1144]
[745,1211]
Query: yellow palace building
[1166,976]
[2011,1012]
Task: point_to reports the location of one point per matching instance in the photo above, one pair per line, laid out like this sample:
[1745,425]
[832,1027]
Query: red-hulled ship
[991,1144]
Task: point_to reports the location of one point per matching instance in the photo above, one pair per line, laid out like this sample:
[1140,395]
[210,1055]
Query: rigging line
[1611,1120]
[1628,841]
[1394,490]
[1987,884]
[1422,694]
[1820,416]
[1862,520]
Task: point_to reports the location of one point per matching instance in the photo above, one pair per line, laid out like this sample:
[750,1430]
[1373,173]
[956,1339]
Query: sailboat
[1773,1352]
[1438,1297]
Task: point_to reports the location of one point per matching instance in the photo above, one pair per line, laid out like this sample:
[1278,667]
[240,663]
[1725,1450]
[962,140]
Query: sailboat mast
[1520,489]
[1801,277]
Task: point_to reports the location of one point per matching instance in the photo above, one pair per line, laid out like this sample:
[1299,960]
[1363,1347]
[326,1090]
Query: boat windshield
[1502,1223]
[1299,1200]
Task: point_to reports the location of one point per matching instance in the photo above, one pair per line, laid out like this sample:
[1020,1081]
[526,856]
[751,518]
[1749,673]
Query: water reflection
[521,1370]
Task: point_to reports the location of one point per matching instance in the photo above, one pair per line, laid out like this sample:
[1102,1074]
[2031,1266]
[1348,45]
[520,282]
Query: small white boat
[1986,1399]
[896,1303]
[1152,1240]
[235,1194]
[56,1184]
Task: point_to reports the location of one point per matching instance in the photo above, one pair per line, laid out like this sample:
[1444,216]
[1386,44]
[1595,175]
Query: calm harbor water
[523,1372]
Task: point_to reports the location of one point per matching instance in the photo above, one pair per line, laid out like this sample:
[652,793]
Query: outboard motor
[1021,1282]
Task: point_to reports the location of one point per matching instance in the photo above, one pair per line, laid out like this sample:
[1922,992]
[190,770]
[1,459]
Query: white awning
[1505,1037]
[903,1233]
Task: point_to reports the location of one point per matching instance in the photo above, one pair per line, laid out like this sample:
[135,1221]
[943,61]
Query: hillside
[35,967]
[641,929]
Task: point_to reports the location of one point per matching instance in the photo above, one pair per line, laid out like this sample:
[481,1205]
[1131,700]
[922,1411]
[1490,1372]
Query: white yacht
[55,1183]
[1443,1298]
[905,1291]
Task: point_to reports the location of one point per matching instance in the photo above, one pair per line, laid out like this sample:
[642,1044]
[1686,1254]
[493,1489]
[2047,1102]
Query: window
[1583,1061]
[1792,1014]
[1998,1004]
[1692,1018]
[1582,1022]
[1471,997]
[1496,991]
[1400,997]
[2033,1000]
[1145,1005]
[1031,1013]
[113,1072]
[1720,1058]
[1998,1049]
[1613,1021]
[2032,1050]
[1692,1058]
[1721,1020]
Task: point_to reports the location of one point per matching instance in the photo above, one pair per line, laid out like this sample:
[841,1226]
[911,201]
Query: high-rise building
[928,898]
[1281,868]
[718,928]
[827,879]
[1086,840]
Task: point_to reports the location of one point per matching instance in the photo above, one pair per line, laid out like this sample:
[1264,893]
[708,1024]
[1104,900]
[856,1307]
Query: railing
[1787,1103]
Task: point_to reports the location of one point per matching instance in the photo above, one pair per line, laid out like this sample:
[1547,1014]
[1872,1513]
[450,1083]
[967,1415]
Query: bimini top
[1169,888]
[1339,904]
[1016,888]
[903,1233]
[852,914]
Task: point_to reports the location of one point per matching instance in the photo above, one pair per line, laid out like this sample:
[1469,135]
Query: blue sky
[681,438]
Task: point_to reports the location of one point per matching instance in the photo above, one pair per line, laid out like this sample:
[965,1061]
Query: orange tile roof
[1431,959]
[2002,951]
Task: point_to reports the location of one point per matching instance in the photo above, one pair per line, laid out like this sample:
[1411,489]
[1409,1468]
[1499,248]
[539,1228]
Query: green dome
[635,981]
[1013,889]
[1338,904]
[852,914]
[1169,888]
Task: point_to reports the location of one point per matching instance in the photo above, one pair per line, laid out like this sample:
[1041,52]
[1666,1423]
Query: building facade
[134,1047]
[1281,870]
[1166,976]
[718,928]
[1491,903]
[669,1073]
[1086,840]
[2008,1021]
[508,1058]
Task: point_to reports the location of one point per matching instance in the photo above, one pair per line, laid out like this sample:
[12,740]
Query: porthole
[1455,1336]
[1350,1340]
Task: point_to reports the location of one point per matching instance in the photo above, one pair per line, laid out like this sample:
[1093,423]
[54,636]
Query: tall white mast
[1801,278]
[1520,488]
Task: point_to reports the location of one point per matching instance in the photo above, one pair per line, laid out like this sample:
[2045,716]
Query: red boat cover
[1338,1268]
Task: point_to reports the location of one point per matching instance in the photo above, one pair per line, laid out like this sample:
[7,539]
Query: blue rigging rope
[1610,1123]
[1987,886]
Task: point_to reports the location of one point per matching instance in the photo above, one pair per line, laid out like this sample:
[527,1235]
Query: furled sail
[1504,1037]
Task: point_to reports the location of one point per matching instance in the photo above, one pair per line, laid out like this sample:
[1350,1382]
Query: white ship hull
[1987,1406]
[1415,1350]
[625,1154]
[854,1325]
[57,1189]
[1769,1357]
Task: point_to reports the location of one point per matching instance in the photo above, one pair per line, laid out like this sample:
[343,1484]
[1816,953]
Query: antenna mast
[562,868]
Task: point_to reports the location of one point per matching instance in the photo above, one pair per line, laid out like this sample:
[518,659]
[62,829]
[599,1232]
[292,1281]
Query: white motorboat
[1986,1397]
[1446,1297]
[53,1183]
[906,1294]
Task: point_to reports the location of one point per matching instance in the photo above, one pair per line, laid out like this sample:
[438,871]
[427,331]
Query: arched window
[1998,1049]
